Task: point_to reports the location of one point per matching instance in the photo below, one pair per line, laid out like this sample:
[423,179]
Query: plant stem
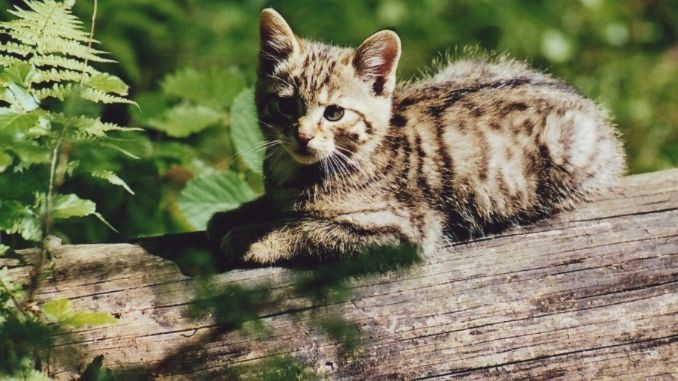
[89,43]
[46,222]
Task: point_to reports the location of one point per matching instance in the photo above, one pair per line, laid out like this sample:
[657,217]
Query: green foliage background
[187,61]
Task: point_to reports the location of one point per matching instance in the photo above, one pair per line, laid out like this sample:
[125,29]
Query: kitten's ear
[376,59]
[276,39]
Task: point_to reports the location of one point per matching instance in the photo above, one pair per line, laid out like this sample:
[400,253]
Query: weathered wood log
[586,294]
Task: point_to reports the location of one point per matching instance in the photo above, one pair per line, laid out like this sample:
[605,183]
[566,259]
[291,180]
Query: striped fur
[468,151]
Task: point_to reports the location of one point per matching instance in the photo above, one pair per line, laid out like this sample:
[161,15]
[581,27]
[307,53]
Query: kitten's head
[320,100]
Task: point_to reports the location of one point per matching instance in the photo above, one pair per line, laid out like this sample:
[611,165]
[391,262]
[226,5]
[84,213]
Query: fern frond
[50,38]
[54,75]
[63,63]
[57,91]
[14,48]
[95,127]
[49,17]
[8,60]
[99,96]
[112,178]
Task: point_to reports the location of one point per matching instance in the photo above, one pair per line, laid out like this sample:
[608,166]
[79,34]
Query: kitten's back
[501,143]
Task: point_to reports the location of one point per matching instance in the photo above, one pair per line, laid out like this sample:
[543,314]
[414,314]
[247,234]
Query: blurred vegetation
[186,61]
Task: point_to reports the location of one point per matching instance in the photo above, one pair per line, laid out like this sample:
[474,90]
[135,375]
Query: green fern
[46,53]
[50,39]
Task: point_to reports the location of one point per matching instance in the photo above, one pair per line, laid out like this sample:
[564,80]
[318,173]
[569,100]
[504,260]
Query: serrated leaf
[112,178]
[70,205]
[30,152]
[88,318]
[17,218]
[17,120]
[57,310]
[245,131]
[184,120]
[61,311]
[108,83]
[99,96]
[212,193]
[20,73]
[216,88]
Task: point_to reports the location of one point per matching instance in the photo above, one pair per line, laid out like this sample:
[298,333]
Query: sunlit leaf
[245,131]
[20,97]
[212,193]
[17,120]
[108,83]
[184,120]
[57,310]
[88,318]
[70,205]
[61,311]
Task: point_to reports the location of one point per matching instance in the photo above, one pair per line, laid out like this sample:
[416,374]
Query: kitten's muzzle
[303,139]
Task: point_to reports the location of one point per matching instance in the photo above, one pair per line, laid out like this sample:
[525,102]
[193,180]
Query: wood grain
[586,294]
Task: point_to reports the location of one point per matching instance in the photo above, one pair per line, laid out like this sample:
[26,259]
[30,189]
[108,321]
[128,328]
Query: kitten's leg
[251,212]
[283,240]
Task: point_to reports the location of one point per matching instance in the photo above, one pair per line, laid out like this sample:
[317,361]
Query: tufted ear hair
[277,42]
[376,60]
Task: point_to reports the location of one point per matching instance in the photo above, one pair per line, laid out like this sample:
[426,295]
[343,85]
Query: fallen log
[586,294]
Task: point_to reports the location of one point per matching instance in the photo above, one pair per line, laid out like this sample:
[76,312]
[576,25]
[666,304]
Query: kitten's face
[320,101]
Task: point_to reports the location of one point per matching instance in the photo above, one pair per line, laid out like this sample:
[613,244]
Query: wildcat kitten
[355,160]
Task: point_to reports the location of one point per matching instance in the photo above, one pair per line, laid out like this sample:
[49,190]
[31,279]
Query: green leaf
[112,178]
[5,161]
[61,311]
[20,97]
[30,152]
[88,318]
[212,193]
[3,249]
[20,73]
[30,375]
[216,88]
[245,131]
[17,120]
[18,218]
[57,310]
[70,205]
[184,120]
[108,83]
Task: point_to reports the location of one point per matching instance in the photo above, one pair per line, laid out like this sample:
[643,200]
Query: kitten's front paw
[254,244]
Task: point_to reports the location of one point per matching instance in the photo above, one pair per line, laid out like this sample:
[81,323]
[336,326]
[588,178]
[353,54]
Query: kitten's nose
[303,139]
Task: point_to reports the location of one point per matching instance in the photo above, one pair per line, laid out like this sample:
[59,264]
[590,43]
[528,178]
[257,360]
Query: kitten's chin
[305,157]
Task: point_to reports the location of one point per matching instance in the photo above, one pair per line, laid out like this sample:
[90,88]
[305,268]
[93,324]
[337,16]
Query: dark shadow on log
[232,306]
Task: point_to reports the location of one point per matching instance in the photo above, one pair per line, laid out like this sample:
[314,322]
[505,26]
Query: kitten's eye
[285,106]
[333,113]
